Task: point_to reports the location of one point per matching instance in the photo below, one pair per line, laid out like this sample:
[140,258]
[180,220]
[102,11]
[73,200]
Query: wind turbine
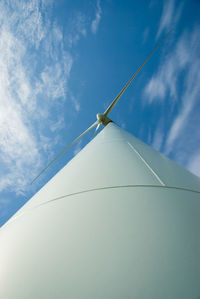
[120,220]
[102,118]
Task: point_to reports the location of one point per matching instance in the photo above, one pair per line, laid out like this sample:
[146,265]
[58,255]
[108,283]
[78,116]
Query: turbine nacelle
[103,119]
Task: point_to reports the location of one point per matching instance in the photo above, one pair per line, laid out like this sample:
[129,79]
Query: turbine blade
[97,128]
[112,105]
[92,126]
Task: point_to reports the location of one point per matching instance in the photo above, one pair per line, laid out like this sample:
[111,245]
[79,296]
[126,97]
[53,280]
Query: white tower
[120,220]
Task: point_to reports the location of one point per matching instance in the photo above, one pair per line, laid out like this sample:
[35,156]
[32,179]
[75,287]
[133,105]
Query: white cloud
[34,71]
[29,26]
[17,143]
[57,126]
[78,147]
[177,83]
[191,90]
[18,146]
[177,126]
[95,22]
[53,81]
[169,17]
[194,163]
[76,103]
[145,35]
[158,138]
[156,88]
[164,82]
[77,30]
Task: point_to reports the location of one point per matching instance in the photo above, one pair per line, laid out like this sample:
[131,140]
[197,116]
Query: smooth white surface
[109,160]
[130,238]
[116,243]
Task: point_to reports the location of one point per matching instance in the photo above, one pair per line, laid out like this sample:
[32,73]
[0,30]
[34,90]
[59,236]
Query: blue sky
[62,62]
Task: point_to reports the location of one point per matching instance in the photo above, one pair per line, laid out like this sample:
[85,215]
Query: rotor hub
[103,119]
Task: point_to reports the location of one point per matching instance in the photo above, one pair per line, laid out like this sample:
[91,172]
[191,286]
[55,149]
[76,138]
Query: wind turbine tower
[120,220]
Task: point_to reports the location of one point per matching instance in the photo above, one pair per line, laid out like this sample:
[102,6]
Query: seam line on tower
[113,187]
[99,189]
[147,165]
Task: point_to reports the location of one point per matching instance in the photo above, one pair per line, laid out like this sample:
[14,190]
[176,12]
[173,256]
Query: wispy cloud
[95,22]
[31,79]
[76,103]
[194,163]
[156,88]
[164,82]
[177,82]
[191,88]
[145,35]
[57,126]
[158,138]
[78,147]
[170,16]
[77,29]
[53,80]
